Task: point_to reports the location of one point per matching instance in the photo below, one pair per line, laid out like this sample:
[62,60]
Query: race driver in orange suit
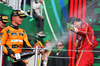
[15,37]
[86,41]
[3,21]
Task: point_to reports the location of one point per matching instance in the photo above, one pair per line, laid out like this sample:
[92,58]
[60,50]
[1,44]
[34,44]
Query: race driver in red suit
[86,41]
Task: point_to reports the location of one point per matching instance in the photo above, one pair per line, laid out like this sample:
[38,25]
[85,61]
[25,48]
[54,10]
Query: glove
[10,59]
[69,27]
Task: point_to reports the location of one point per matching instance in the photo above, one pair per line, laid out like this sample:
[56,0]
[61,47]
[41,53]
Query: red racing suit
[86,42]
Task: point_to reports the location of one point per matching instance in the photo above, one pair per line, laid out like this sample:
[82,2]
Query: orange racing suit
[14,37]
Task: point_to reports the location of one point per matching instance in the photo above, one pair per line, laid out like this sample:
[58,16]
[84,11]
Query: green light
[97,10]
[98,56]
[94,20]
[98,3]
[98,21]
[95,29]
[90,20]
[88,16]
[98,39]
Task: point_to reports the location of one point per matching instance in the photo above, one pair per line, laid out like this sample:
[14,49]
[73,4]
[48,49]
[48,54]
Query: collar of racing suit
[15,27]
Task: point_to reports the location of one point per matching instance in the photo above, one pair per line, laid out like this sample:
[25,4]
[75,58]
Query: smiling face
[17,20]
[2,25]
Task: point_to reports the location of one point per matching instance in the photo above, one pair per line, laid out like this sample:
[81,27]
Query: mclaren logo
[19,12]
[4,17]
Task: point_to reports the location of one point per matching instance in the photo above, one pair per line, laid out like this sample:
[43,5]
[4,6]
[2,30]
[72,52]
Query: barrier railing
[40,55]
[24,5]
[36,56]
[31,11]
[1,53]
[56,49]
